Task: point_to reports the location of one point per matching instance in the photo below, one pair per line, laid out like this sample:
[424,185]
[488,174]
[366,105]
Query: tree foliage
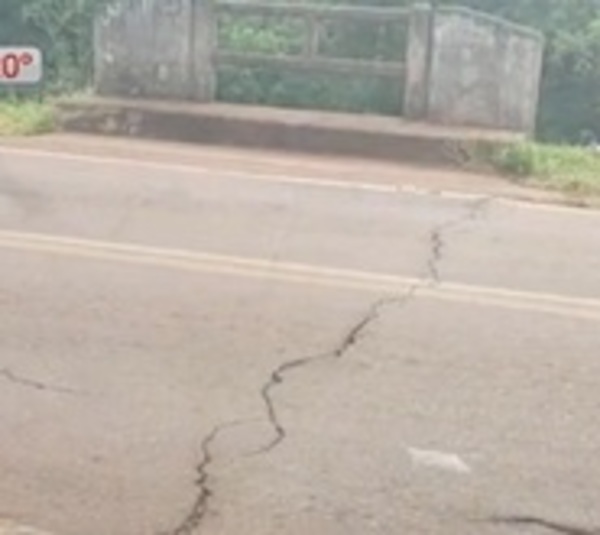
[63,29]
[570,99]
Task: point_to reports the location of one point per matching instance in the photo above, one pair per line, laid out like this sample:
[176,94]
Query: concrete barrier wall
[485,71]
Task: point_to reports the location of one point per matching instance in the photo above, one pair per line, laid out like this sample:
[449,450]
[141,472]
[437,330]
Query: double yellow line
[295,273]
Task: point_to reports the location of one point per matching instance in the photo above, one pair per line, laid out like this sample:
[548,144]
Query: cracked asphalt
[214,352]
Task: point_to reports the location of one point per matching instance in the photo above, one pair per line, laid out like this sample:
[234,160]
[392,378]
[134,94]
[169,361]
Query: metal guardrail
[310,59]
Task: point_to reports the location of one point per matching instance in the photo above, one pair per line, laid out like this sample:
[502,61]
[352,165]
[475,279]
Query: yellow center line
[585,308]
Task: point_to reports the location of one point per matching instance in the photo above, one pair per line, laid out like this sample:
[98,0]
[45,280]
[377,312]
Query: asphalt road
[218,351]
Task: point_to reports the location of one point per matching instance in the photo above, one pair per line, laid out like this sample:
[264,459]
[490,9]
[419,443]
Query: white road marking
[197,169]
[584,308]
[281,178]
[448,462]
[9,527]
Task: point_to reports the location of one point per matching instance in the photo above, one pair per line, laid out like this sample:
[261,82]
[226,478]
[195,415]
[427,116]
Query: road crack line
[11,377]
[350,339]
[557,527]
[277,377]
[438,241]
[200,506]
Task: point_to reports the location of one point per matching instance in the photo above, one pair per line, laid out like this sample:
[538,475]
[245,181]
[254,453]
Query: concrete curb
[319,133]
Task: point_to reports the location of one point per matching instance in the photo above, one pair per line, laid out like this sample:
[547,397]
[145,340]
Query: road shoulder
[332,171]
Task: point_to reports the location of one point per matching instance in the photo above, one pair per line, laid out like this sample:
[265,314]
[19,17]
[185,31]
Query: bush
[561,167]
[25,117]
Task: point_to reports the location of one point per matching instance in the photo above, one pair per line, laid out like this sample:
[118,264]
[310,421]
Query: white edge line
[193,169]
[299,180]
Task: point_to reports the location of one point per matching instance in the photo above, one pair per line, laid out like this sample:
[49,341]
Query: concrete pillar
[486,71]
[418,63]
[203,43]
[156,49]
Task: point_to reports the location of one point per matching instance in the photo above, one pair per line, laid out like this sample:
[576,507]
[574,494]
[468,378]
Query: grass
[25,117]
[574,170]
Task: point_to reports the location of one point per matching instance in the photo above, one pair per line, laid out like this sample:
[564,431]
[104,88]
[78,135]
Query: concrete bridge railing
[460,68]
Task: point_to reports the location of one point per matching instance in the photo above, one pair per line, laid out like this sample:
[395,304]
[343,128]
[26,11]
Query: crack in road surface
[200,506]
[557,527]
[277,377]
[437,237]
[437,244]
[11,377]
[194,518]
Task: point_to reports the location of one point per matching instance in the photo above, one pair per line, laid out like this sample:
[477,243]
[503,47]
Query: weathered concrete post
[418,63]
[485,72]
[203,39]
[156,49]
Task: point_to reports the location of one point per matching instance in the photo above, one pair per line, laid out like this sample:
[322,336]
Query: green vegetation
[63,30]
[574,170]
[320,91]
[25,117]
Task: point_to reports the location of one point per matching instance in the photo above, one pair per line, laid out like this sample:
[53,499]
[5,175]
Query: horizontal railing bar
[344,13]
[331,65]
